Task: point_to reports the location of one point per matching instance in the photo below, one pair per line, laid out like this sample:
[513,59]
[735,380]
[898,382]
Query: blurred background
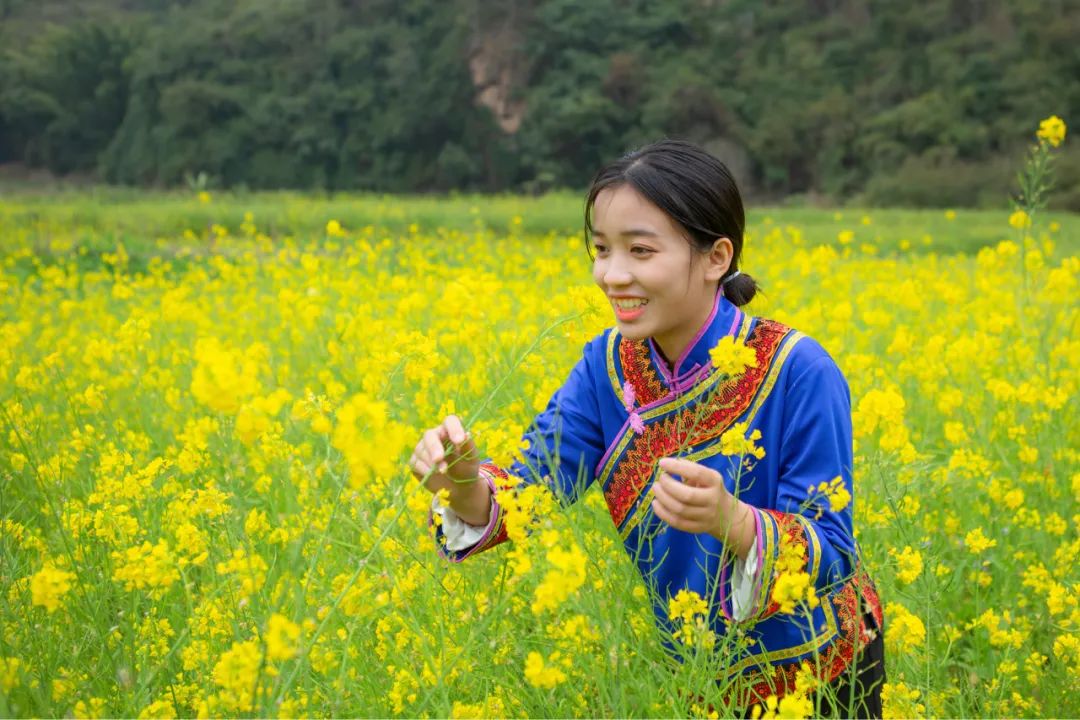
[869,102]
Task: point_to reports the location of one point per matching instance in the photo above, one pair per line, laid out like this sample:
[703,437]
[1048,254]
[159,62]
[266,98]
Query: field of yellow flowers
[207,403]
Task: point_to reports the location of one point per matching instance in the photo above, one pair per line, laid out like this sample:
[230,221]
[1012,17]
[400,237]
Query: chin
[632,331]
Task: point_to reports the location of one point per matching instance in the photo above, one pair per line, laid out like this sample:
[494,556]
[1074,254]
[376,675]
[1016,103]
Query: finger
[422,469]
[683,493]
[433,441]
[685,513]
[678,522]
[667,516]
[692,473]
[455,429]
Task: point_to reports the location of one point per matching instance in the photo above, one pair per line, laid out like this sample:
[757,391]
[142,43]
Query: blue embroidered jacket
[799,400]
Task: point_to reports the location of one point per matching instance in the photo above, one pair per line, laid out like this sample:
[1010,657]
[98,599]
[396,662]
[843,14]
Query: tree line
[887,103]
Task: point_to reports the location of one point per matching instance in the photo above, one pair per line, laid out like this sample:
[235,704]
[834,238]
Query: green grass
[99,219]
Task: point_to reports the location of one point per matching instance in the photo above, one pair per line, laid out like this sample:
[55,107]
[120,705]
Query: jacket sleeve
[815,448]
[565,442]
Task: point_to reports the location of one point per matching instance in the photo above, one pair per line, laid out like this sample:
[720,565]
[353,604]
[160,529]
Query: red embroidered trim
[683,429]
[637,368]
[851,601]
[499,536]
[788,526]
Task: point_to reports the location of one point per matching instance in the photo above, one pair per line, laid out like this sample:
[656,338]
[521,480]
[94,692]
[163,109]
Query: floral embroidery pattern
[639,371]
[691,426]
[857,597]
[789,526]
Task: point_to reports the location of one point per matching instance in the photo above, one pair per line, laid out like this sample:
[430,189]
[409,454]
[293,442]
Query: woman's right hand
[446,456]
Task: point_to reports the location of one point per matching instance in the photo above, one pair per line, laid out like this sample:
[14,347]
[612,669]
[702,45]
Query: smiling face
[648,270]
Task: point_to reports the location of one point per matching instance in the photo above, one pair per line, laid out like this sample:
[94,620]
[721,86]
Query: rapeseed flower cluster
[49,586]
[832,494]
[732,357]
[793,584]
[737,442]
[149,567]
[1051,131]
[794,705]
[689,614]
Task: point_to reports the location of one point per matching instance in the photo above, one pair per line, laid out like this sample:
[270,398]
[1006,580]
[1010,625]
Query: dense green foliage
[885,102]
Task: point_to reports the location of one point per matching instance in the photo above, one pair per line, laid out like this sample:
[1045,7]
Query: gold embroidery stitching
[784,653]
[770,380]
[615,386]
[677,404]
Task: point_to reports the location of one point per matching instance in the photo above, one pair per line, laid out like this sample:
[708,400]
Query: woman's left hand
[702,504]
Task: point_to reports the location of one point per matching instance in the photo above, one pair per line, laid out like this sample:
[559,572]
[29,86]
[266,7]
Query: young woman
[666,222]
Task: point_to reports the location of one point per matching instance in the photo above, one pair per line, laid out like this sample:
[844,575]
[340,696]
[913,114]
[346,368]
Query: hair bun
[739,288]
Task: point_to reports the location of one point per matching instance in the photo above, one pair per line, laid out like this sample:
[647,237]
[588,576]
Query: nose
[613,273]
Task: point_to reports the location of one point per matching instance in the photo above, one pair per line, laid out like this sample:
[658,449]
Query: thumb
[692,473]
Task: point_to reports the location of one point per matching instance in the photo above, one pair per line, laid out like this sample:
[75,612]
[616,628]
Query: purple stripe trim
[493,521]
[673,387]
[697,375]
[759,532]
[724,585]
[690,380]
[701,331]
[658,362]
[611,447]
[735,323]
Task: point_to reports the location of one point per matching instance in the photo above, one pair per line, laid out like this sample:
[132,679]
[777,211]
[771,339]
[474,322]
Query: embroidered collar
[695,361]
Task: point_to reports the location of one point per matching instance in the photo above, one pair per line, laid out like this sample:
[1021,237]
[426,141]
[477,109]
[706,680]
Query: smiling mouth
[629,303]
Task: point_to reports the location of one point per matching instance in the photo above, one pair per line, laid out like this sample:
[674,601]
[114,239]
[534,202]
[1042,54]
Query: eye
[600,248]
[644,250]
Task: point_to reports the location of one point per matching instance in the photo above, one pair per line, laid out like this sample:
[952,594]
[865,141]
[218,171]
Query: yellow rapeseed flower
[834,492]
[732,357]
[281,638]
[685,605]
[792,583]
[540,674]
[10,673]
[735,442]
[793,706]
[162,709]
[1020,220]
[146,566]
[1051,131]
[236,673]
[566,576]
[909,564]
[904,631]
[49,585]
[976,542]
[899,701]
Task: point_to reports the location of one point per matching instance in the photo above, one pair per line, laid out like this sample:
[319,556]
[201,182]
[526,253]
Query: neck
[673,345]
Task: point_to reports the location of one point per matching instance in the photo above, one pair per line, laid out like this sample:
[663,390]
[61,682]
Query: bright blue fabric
[802,407]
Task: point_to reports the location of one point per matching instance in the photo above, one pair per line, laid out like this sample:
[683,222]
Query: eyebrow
[632,232]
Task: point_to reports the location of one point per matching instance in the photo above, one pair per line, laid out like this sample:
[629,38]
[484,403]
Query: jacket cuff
[456,540]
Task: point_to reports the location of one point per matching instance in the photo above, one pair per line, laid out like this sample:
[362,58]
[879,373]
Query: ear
[719,259]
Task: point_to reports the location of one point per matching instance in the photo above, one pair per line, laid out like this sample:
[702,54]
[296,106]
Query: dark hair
[695,189]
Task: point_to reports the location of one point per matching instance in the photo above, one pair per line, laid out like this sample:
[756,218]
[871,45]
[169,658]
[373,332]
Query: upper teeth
[628,303]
